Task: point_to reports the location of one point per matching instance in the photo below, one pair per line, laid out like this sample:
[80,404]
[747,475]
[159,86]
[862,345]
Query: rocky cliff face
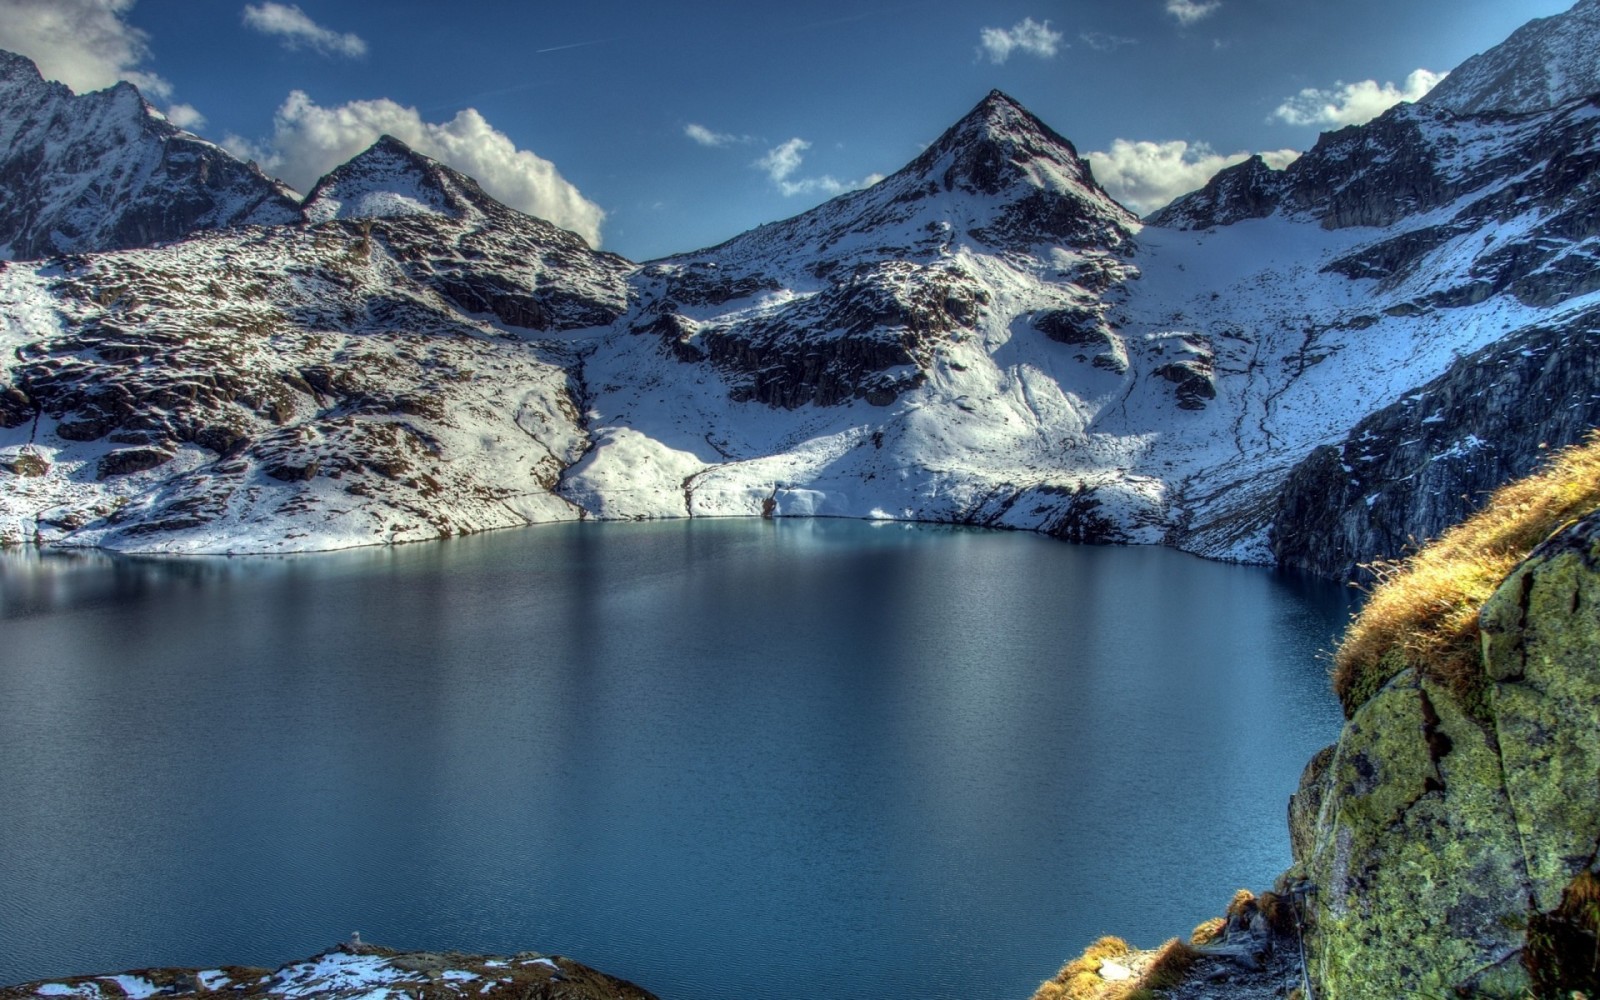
[1453,850]
[104,171]
[1414,468]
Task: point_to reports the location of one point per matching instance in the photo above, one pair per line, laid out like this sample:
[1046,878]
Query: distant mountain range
[1309,366]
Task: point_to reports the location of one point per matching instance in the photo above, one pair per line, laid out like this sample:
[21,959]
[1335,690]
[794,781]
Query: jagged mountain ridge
[104,171]
[1546,62]
[308,386]
[983,337]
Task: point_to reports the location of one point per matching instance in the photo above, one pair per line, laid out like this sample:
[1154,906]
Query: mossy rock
[1541,640]
[1420,875]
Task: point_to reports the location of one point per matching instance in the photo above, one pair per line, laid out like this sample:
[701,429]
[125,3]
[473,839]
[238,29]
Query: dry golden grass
[1207,931]
[1170,965]
[1423,610]
[1080,978]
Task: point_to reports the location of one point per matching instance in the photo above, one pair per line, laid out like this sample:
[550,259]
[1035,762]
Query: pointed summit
[388,179]
[1000,143]
[103,171]
[999,177]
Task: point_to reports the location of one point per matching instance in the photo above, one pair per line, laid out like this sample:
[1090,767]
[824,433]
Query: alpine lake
[721,758]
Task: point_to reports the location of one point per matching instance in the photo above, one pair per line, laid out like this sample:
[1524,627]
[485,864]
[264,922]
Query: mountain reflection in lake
[721,758]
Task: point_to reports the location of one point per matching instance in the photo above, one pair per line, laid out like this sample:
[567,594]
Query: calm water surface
[725,759]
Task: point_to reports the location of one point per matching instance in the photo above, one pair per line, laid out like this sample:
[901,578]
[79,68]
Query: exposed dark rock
[125,461]
[1418,466]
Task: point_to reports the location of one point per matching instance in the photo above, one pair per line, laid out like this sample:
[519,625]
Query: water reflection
[697,754]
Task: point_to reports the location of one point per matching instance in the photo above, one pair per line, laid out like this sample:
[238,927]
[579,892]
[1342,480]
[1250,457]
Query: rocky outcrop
[357,971]
[1453,849]
[1420,465]
[105,171]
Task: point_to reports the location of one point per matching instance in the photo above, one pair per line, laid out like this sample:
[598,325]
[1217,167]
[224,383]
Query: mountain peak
[1546,62]
[387,179]
[1000,143]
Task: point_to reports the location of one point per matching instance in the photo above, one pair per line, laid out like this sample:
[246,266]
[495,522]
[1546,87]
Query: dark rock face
[101,171]
[1249,190]
[1414,468]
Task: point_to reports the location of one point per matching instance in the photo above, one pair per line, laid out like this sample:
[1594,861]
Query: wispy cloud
[1189,11]
[1354,103]
[1103,42]
[709,137]
[1027,36]
[783,161]
[309,140]
[295,30]
[1146,175]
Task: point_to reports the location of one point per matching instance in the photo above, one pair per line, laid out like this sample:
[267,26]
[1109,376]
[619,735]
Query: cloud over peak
[1189,11]
[309,140]
[1354,103]
[83,43]
[1026,36]
[295,30]
[1146,175]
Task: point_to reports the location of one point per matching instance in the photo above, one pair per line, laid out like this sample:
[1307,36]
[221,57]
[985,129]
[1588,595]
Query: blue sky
[666,126]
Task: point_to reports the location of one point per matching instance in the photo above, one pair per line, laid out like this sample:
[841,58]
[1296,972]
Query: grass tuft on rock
[1422,612]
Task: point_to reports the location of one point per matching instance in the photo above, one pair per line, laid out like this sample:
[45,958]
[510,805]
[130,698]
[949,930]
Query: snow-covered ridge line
[984,337]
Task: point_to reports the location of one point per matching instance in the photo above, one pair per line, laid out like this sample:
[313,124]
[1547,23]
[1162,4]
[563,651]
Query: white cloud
[295,29]
[1189,11]
[1146,175]
[1103,42]
[85,44]
[1027,35]
[783,160]
[708,137]
[1354,103]
[309,140]
[185,116]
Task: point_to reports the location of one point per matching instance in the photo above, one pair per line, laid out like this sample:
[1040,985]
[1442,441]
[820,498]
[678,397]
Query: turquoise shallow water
[725,759]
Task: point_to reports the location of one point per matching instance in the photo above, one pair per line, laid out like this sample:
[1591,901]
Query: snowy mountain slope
[298,387]
[876,357]
[983,337]
[1546,62]
[104,171]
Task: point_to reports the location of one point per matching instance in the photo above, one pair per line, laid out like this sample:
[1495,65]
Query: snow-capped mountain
[1546,62]
[983,337]
[307,386]
[104,171]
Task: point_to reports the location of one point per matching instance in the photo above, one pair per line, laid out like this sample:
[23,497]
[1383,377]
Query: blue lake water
[724,759]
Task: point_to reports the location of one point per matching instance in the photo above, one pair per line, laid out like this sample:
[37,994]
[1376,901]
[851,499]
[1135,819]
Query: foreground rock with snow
[356,972]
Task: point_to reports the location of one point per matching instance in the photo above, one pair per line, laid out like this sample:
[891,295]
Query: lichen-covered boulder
[1452,852]
[1541,638]
[1414,852]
